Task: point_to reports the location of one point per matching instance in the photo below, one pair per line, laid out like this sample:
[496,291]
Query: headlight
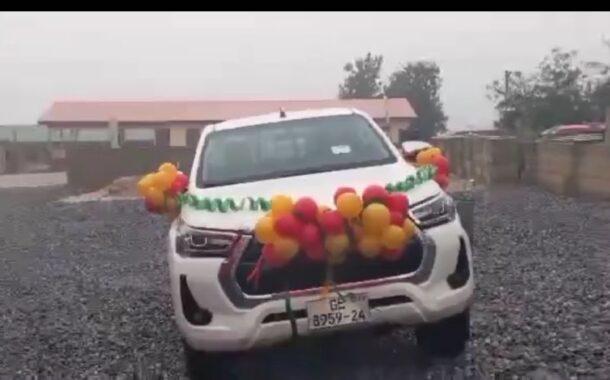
[438,211]
[197,242]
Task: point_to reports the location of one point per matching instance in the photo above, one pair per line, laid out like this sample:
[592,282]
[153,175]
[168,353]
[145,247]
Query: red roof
[207,110]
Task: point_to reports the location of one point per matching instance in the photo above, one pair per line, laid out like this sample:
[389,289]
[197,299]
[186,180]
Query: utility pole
[506,80]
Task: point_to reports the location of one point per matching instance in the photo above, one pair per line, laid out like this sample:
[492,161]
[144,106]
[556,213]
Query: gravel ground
[84,293]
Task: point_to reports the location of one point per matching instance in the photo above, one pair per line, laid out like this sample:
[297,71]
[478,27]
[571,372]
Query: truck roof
[276,117]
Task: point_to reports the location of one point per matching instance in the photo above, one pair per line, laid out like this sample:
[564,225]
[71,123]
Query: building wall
[92,166]
[2,159]
[394,127]
[568,168]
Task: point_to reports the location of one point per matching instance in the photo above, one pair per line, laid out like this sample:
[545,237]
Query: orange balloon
[349,205]
[369,246]
[281,204]
[336,245]
[410,229]
[163,180]
[144,183]
[427,156]
[375,218]
[286,248]
[393,237]
[168,167]
[264,231]
[155,196]
[435,151]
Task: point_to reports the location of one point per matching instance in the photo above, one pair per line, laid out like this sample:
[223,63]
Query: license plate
[335,311]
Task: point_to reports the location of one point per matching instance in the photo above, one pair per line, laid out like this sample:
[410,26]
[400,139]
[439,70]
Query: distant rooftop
[160,112]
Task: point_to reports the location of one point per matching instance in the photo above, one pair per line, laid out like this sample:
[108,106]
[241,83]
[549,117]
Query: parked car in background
[412,147]
[575,132]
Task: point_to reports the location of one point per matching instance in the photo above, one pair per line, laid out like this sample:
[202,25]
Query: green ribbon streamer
[423,174]
[224,205]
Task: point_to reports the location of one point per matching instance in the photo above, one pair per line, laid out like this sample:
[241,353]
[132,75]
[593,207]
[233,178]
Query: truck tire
[445,338]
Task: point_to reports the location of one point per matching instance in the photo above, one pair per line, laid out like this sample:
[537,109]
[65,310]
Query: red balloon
[398,202]
[271,257]
[310,236]
[288,225]
[442,164]
[176,187]
[396,218]
[442,180]
[341,190]
[151,207]
[316,253]
[375,193]
[306,209]
[392,254]
[332,222]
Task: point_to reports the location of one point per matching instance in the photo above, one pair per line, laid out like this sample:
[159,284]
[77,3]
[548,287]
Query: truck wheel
[447,337]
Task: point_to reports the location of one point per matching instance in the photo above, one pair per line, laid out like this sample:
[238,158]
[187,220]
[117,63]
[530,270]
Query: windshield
[290,148]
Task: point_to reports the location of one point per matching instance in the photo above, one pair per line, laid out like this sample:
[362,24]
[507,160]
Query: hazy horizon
[132,56]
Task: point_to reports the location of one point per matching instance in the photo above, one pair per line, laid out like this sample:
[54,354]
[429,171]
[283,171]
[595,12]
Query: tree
[362,79]
[598,85]
[558,92]
[420,83]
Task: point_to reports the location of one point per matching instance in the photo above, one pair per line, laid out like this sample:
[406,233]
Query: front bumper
[239,326]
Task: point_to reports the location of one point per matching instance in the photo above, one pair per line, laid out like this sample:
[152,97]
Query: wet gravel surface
[84,293]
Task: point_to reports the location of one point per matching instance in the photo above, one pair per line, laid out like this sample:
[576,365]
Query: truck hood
[320,186]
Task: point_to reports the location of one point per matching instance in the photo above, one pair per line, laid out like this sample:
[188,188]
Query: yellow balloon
[168,167]
[369,246]
[375,218]
[393,237]
[155,196]
[349,205]
[423,157]
[286,248]
[163,180]
[435,151]
[264,231]
[337,246]
[144,183]
[410,229]
[281,204]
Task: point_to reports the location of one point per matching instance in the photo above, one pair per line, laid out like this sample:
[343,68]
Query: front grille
[302,273]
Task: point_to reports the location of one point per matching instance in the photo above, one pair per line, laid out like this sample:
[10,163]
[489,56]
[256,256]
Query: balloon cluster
[162,188]
[434,156]
[373,225]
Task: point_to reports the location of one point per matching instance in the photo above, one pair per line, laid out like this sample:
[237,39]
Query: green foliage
[420,83]
[362,79]
[560,91]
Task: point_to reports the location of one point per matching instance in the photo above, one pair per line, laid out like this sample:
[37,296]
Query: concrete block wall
[568,168]
[2,159]
[92,166]
[592,170]
[485,159]
[556,166]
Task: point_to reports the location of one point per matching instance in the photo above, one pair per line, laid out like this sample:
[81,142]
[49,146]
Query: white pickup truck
[211,254]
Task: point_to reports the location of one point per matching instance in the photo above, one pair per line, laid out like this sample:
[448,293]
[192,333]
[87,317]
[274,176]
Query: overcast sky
[52,56]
